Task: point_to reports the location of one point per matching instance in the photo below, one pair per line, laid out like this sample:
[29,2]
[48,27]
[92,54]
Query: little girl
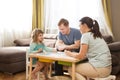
[37,46]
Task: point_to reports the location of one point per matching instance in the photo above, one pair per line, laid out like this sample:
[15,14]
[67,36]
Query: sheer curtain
[73,10]
[15,20]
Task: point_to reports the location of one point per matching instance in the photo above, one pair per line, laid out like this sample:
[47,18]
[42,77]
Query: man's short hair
[64,22]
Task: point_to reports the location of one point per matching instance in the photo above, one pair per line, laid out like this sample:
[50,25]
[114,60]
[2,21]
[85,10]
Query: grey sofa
[115,51]
[12,59]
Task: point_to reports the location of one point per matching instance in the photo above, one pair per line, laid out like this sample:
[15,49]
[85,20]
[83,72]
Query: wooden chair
[28,65]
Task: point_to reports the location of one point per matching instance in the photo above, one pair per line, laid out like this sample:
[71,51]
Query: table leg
[73,71]
[30,68]
[50,72]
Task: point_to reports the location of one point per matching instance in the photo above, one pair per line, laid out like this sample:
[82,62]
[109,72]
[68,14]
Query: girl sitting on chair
[37,46]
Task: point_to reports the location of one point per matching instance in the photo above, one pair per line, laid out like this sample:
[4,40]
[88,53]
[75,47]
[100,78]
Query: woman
[95,49]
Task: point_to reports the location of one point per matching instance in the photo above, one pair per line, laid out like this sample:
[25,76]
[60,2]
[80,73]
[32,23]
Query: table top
[59,56]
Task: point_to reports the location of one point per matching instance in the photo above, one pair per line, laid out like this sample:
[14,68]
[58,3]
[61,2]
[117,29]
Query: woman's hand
[72,54]
[68,53]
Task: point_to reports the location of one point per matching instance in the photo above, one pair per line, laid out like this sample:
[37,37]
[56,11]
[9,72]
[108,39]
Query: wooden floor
[18,76]
[21,76]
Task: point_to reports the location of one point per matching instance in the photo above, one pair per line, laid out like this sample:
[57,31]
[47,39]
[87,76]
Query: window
[15,20]
[73,11]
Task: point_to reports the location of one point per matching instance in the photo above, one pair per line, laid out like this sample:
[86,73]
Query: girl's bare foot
[46,77]
[34,76]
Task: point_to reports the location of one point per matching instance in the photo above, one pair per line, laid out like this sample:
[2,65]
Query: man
[68,39]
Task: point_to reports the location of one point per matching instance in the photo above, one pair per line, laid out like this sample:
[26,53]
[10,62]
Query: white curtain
[73,10]
[15,20]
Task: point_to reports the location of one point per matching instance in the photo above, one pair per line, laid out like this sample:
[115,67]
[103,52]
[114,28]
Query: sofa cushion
[50,36]
[115,46]
[108,38]
[12,54]
[49,42]
[22,42]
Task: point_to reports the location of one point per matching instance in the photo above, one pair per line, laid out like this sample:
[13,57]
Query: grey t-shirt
[73,36]
[98,52]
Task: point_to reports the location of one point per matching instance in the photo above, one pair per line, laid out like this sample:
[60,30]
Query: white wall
[115,10]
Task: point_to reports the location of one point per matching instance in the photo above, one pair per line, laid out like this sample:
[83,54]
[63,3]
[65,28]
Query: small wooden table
[59,56]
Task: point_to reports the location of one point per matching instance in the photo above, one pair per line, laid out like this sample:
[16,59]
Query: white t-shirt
[98,52]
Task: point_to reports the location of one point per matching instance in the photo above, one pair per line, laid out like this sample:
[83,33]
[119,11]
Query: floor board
[21,76]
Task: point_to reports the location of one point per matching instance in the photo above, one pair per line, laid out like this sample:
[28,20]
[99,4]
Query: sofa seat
[12,59]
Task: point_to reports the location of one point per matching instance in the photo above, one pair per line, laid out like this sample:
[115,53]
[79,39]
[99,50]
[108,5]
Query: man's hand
[61,48]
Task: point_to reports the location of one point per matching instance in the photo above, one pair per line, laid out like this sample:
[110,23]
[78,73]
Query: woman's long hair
[93,25]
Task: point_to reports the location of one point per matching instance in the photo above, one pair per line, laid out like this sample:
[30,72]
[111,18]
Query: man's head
[63,26]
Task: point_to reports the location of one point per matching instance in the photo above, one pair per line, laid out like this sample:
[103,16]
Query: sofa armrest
[115,46]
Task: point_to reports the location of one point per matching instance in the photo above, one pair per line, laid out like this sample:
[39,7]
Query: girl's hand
[54,50]
[40,50]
